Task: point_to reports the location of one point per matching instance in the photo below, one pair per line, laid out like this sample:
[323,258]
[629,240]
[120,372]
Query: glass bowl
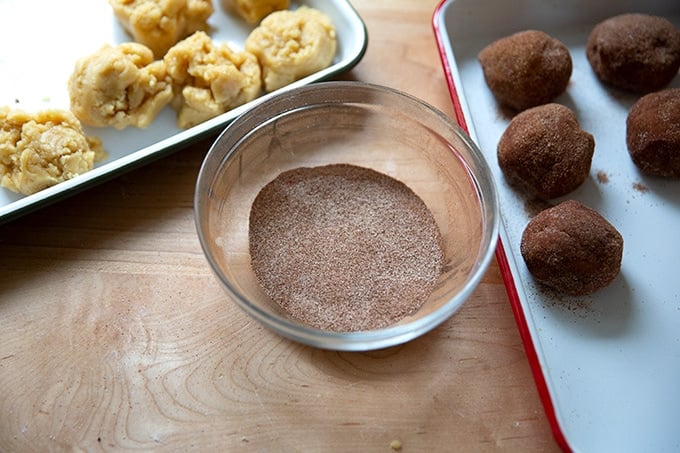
[365,125]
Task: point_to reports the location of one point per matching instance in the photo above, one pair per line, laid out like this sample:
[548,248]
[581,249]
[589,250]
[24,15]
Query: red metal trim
[502,260]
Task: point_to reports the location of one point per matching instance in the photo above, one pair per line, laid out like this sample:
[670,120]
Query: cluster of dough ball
[172,61]
[175,62]
[39,150]
[634,52]
[640,53]
[545,153]
[527,70]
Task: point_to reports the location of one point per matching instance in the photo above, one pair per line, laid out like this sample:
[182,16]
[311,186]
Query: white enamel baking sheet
[41,41]
[607,366]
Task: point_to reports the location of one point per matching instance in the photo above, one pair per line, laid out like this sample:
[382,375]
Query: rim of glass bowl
[341,92]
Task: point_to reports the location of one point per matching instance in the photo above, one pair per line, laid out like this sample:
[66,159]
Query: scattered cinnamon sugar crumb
[640,187]
[602,177]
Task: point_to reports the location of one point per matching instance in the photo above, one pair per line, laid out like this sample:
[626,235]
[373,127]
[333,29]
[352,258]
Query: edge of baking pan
[357,45]
[450,73]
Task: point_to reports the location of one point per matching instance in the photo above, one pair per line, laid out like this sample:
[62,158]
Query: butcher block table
[116,336]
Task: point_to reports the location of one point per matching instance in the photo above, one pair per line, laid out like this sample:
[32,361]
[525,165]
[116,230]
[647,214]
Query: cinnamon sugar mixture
[344,248]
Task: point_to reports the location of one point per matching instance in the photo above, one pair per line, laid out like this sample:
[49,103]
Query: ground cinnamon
[344,248]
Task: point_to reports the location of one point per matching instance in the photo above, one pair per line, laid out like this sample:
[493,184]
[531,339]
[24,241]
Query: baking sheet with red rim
[606,366]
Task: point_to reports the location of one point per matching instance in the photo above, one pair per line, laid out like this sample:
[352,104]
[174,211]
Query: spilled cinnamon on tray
[344,248]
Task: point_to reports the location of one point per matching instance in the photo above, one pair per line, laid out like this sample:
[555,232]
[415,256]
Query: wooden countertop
[116,336]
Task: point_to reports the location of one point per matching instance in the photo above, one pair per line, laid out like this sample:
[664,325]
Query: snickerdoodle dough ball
[210,78]
[291,45]
[526,69]
[545,152]
[253,11]
[159,24]
[635,52]
[572,249]
[119,86]
[41,149]
[653,133]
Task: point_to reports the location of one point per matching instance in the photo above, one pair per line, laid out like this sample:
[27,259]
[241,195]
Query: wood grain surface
[116,336]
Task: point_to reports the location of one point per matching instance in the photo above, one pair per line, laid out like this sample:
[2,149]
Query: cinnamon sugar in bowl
[346,216]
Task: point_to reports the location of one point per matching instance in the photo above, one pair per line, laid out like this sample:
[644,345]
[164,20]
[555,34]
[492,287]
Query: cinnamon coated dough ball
[571,248]
[119,86]
[635,52]
[159,24]
[545,152]
[526,69]
[291,45]
[653,133]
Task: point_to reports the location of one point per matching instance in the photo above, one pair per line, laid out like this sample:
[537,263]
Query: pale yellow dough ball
[119,86]
[291,45]
[159,24]
[253,11]
[43,149]
[210,78]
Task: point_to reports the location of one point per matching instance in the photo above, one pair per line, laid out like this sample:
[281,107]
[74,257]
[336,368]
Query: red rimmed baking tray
[607,366]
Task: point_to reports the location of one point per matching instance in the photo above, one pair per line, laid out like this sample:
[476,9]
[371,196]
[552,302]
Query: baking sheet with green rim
[43,39]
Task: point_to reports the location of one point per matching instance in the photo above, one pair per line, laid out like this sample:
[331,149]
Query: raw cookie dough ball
[635,52]
[544,151]
[119,86]
[159,24]
[526,69]
[653,133]
[292,44]
[253,11]
[572,249]
[42,149]
[210,79]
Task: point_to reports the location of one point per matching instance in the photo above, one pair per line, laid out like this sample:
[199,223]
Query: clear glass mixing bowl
[355,123]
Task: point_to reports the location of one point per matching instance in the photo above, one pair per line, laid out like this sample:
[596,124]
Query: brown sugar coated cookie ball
[545,152]
[635,52]
[653,133]
[526,69]
[572,249]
